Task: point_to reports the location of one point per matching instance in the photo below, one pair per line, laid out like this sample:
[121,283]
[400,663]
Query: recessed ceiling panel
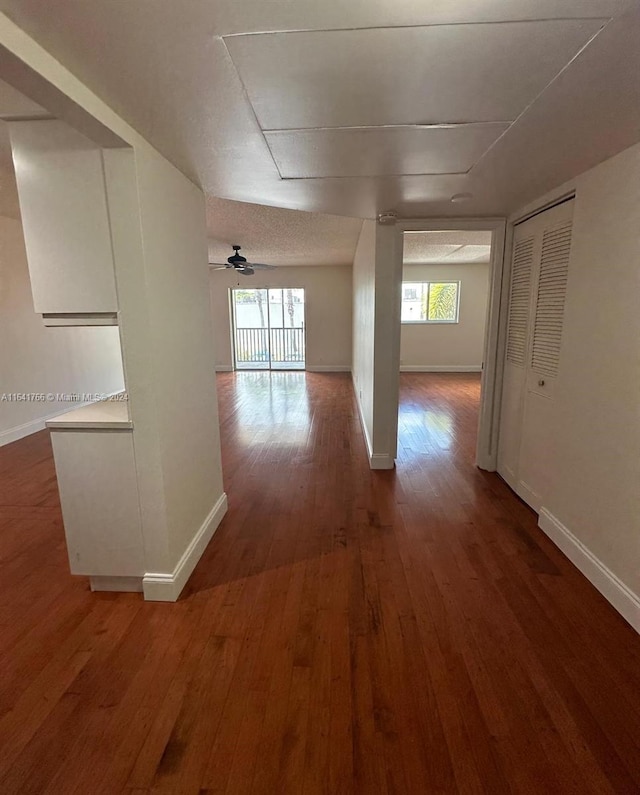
[380,151]
[416,75]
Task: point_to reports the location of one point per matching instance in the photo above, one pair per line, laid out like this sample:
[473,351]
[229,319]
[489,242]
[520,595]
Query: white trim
[224,368]
[526,493]
[117,584]
[39,424]
[328,368]
[376,460]
[166,587]
[620,596]
[440,368]
[363,424]
[381,461]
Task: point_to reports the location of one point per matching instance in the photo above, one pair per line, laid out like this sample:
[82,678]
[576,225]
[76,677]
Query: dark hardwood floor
[346,631]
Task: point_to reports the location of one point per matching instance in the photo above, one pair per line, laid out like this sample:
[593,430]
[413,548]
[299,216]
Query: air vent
[552,290]
[519,301]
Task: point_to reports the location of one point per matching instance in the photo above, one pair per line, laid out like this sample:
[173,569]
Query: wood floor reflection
[346,631]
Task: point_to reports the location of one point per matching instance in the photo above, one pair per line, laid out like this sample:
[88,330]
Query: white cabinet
[95,467]
[63,203]
[539,274]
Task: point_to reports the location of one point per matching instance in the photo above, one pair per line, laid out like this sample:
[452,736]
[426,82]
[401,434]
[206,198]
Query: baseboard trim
[376,460]
[621,597]
[328,368]
[381,461]
[166,587]
[440,368]
[224,368]
[39,424]
[117,584]
[363,424]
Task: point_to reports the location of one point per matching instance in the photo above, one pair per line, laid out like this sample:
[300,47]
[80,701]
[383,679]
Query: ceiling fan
[240,264]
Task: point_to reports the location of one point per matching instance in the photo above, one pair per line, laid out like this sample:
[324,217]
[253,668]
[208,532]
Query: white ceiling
[240,93]
[446,247]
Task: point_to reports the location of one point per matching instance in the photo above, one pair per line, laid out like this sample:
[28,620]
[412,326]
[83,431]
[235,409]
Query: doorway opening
[268,328]
[451,285]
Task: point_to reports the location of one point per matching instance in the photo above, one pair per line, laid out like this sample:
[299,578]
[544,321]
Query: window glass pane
[443,301]
[412,305]
[429,302]
[250,308]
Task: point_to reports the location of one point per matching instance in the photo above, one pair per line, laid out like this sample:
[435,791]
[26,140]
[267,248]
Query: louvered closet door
[533,355]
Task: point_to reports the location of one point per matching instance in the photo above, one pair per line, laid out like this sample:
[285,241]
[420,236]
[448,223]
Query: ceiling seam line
[444,125]
[284,31]
[540,93]
[250,104]
[383,176]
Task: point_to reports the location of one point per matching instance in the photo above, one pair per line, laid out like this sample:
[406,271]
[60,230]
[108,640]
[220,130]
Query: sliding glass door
[268,328]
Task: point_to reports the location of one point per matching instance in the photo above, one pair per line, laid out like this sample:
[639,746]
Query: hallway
[346,631]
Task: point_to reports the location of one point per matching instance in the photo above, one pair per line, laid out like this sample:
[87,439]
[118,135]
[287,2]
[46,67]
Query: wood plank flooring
[346,631]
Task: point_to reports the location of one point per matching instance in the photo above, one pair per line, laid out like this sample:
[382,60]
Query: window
[430,302]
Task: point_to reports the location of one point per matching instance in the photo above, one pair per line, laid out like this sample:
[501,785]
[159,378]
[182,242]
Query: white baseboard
[376,460]
[622,598]
[328,368]
[119,584]
[381,461]
[166,587]
[39,424]
[224,368]
[440,368]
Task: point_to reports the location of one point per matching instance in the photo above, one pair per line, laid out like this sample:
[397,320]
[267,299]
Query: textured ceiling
[279,237]
[446,247]
[564,74]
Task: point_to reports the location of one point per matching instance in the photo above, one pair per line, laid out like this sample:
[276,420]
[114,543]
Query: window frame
[426,321]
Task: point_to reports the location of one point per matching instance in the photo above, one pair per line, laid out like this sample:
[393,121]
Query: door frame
[232,318]
[495,327]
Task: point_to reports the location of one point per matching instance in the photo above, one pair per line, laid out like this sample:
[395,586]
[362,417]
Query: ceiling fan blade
[218,265]
[246,271]
[262,266]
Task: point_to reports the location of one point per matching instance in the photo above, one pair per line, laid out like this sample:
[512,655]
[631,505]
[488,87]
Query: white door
[540,262]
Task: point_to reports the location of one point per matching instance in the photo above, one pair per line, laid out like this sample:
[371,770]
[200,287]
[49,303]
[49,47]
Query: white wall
[328,311]
[376,340]
[35,359]
[159,239]
[364,275]
[593,508]
[448,346]
[181,346]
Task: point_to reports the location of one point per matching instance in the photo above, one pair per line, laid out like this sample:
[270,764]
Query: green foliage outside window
[442,301]
[430,302]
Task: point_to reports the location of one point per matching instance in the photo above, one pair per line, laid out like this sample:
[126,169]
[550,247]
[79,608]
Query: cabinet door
[100,506]
[63,205]
[533,350]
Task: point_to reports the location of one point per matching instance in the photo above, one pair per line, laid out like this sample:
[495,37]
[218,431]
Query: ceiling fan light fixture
[240,264]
